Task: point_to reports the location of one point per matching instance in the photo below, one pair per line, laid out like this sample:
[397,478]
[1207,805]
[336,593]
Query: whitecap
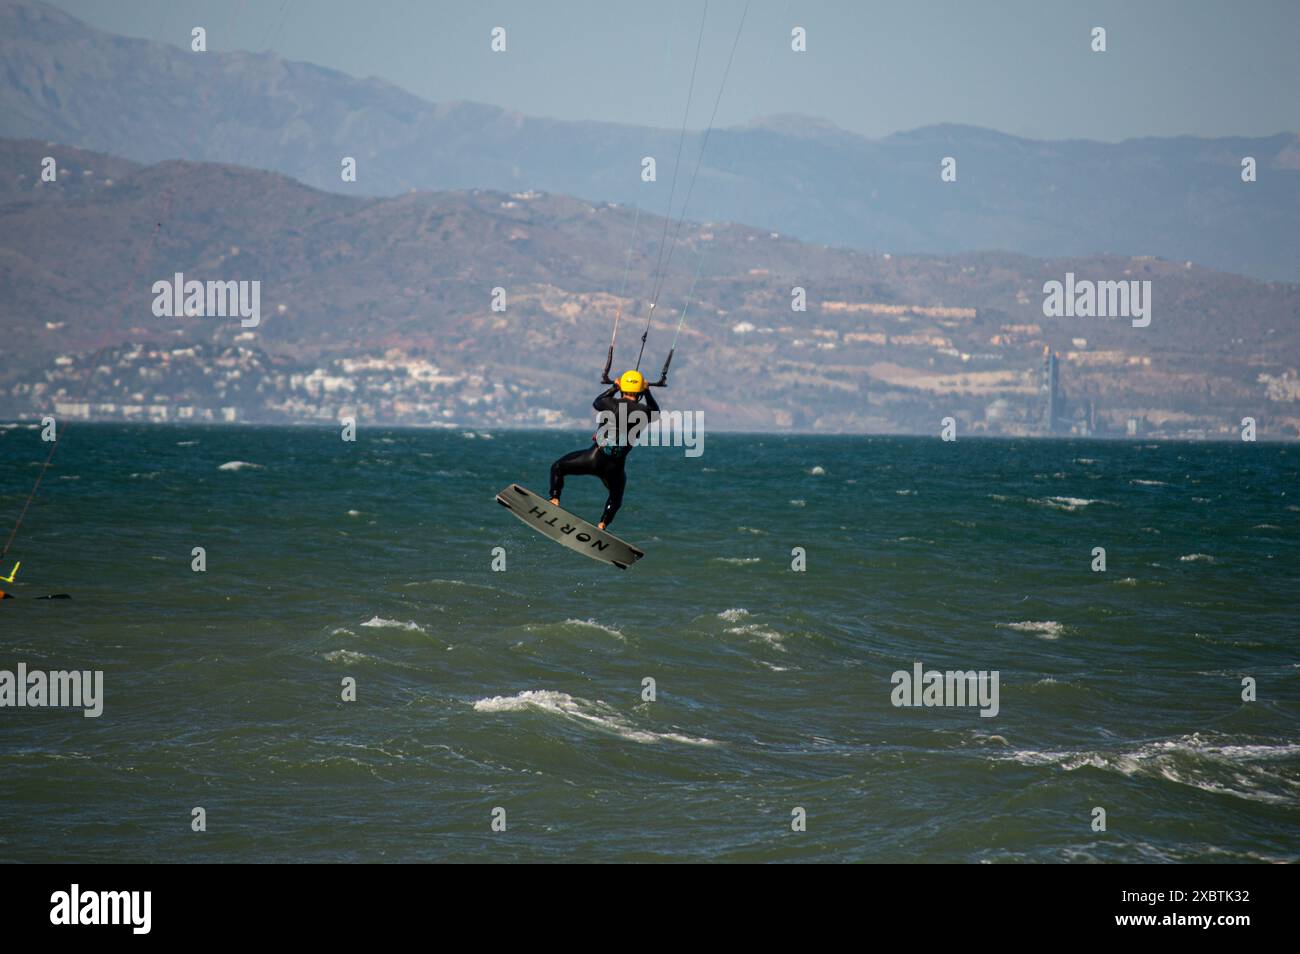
[1045,629]
[595,713]
[345,656]
[238,465]
[380,623]
[592,624]
[1070,504]
[1184,761]
[769,636]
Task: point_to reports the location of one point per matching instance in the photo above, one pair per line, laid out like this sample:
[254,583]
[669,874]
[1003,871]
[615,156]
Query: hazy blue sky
[1199,67]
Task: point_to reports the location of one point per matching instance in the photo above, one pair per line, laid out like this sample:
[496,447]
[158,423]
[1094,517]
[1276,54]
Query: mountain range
[1177,198]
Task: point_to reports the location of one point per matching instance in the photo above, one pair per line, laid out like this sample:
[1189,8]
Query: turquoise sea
[522,690]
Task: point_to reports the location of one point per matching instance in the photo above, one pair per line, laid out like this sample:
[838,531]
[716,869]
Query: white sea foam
[1197,558]
[1070,504]
[239,465]
[597,713]
[592,624]
[757,631]
[798,503]
[733,615]
[345,656]
[1046,629]
[818,471]
[379,622]
[1187,760]
[1150,483]
[186,443]
[738,561]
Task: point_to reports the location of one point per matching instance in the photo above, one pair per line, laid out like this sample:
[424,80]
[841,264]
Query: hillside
[384,305]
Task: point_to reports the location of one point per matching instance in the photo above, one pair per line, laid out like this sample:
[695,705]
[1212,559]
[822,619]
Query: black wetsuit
[607,462]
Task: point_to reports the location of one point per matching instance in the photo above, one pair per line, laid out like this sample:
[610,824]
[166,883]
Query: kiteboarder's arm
[605,401]
[652,404]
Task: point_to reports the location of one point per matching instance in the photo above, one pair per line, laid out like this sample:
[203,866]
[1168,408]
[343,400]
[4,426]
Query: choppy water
[522,689]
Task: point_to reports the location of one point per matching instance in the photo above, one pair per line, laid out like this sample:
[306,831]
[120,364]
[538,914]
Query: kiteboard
[566,529]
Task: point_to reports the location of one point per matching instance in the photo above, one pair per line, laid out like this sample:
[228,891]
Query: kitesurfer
[622,419]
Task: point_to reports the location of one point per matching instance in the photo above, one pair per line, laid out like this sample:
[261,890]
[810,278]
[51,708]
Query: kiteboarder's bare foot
[555,501]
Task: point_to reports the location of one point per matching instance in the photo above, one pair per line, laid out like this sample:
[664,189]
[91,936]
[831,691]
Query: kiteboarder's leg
[579,462]
[614,479]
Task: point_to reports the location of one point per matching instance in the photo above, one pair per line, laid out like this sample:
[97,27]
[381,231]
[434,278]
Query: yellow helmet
[631,382]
